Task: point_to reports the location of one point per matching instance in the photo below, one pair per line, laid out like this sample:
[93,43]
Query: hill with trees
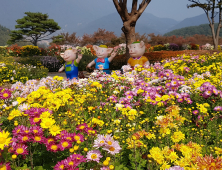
[4,35]
[203,29]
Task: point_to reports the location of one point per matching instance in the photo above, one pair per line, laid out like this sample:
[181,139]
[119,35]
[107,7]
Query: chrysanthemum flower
[63,144]
[218,108]
[177,136]
[113,149]
[78,137]
[5,140]
[5,94]
[100,141]
[21,149]
[49,140]
[24,138]
[93,155]
[35,120]
[39,139]
[52,147]
[47,123]
[54,130]
[60,165]
[36,130]
[82,127]
[5,166]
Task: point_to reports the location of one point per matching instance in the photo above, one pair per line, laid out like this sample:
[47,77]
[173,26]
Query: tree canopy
[32,28]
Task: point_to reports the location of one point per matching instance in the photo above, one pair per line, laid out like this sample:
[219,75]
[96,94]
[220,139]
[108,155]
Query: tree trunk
[129,32]
[214,36]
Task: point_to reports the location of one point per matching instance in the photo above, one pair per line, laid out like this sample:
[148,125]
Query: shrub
[173,47]
[194,46]
[52,63]
[14,50]
[29,50]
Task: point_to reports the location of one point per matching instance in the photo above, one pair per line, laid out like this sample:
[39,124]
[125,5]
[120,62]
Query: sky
[175,9]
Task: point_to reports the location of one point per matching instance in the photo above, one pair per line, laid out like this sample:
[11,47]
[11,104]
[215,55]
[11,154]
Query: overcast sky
[175,9]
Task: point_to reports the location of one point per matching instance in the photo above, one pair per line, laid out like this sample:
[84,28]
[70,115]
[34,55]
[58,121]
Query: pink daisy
[93,155]
[60,165]
[100,141]
[36,130]
[39,139]
[21,149]
[52,147]
[49,140]
[63,144]
[82,127]
[114,148]
[5,166]
[24,138]
[78,136]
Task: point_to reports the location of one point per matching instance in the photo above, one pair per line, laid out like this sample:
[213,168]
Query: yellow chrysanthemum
[47,123]
[4,139]
[54,130]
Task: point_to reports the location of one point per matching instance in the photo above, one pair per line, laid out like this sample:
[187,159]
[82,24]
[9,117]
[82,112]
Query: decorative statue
[102,62]
[71,65]
[136,50]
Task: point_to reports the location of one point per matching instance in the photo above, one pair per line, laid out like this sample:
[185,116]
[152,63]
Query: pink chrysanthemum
[94,155]
[82,127]
[105,168]
[113,149]
[5,94]
[36,130]
[5,166]
[39,139]
[60,165]
[17,130]
[52,147]
[21,149]
[100,141]
[49,140]
[218,108]
[35,120]
[63,144]
[195,112]
[78,137]
[24,138]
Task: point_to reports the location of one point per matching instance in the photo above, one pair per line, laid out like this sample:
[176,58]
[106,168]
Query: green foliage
[58,39]
[4,34]
[33,28]
[14,71]
[203,29]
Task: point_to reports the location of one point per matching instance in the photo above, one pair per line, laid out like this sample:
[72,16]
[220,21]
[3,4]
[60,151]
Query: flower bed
[152,118]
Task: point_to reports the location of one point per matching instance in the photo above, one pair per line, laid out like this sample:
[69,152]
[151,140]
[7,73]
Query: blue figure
[71,65]
[102,62]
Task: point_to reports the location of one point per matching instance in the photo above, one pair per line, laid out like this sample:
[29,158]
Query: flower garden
[166,116]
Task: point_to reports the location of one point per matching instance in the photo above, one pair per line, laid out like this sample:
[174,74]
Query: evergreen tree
[33,28]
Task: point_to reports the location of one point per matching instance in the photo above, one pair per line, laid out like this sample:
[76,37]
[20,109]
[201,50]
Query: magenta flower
[93,155]
[195,112]
[82,127]
[36,130]
[39,139]
[180,100]
[5,94]
[52,147]
[60,165]
[21,149]
[218,108]
[5,166]
[24,138]
[63,144]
